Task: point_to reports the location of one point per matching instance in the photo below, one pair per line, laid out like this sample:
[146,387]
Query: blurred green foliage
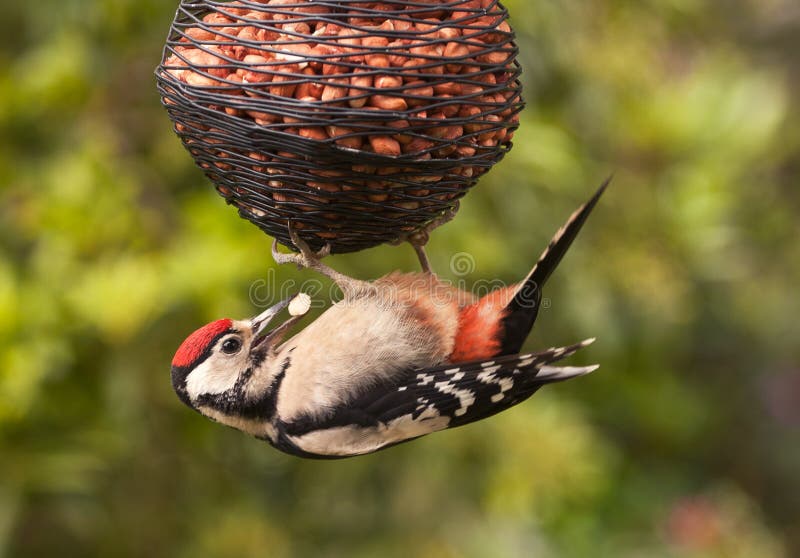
[113,247]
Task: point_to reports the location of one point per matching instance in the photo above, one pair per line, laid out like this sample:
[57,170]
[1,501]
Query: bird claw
[306,258]
[281,258]
[304,248]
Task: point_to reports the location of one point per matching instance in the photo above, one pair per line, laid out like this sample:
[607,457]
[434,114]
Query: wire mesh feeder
[359,122]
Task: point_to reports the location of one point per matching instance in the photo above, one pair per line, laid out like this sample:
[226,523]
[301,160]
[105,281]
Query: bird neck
[260,394]
[249,405]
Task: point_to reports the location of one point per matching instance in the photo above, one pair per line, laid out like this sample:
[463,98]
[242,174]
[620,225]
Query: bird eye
[231,346]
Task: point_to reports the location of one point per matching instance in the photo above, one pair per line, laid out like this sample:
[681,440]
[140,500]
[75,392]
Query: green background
[113,247]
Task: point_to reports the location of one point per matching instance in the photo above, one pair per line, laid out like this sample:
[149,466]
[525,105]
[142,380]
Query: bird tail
[506,381]
[521,312]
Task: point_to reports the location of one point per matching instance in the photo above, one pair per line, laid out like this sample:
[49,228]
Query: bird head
[225,369]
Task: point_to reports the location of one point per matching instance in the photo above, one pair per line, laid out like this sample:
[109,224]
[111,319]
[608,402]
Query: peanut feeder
[359,122]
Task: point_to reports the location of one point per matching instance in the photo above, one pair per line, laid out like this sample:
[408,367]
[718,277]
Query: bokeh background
[113,247]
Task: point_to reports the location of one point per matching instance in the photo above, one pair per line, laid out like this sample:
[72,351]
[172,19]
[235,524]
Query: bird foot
[306,258]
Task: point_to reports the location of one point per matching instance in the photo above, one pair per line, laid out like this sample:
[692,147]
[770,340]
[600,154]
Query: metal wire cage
[359,122]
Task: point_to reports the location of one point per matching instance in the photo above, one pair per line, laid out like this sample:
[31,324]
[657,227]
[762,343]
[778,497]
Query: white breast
[358,342]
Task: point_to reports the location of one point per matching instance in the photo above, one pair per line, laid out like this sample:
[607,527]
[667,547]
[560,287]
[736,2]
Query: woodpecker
[397,358]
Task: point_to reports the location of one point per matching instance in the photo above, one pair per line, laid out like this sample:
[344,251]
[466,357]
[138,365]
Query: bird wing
[425,401]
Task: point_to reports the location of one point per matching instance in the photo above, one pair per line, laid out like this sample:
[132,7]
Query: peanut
[199,80]
[494,57]
[199,34]
[313,132]
[293,52]
[298,28]
[282,90]
[259,72]
[310,8]
[327,173]
[205,61]
[388,82]
[398,53]
[231,10]
[309,88]
[387,102]
[217,19]
[401,125]
[266,35]
[418,88]
[378,198]
[417,144]
[385,145]
[334,90]
[360,84]
[410,205]
[471,89]
[449,33]
[379,59]
[263,118]
[246,35]
[491,128]
[255,14]
[458,52]
[172,63]
[285,73]
[451,109]
[448,88]
[488,79]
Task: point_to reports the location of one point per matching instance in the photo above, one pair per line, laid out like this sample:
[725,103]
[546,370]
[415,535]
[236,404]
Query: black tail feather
[523,309]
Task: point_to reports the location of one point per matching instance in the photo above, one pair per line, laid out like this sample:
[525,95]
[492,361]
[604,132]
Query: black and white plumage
[426,401]
[398,358]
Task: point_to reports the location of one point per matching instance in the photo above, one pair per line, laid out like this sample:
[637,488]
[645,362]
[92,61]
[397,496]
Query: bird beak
[263,320]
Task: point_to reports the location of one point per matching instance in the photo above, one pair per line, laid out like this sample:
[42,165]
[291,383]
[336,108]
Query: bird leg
[307,258]
[420,238]
[419,248]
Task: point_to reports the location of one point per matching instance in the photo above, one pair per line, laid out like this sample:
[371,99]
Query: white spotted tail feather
[429,400]
[476,390]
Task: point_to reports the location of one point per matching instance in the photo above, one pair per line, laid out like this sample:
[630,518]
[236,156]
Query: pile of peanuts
[411,81]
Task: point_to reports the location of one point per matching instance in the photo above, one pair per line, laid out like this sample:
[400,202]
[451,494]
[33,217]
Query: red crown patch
[194,345]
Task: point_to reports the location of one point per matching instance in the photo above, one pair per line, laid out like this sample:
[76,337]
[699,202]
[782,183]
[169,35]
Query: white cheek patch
[210,379]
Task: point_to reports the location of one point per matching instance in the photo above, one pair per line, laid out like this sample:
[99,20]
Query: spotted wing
[426,401]
[477,390]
